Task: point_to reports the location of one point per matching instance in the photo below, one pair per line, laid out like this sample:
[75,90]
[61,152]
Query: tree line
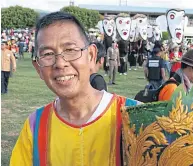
[20,17]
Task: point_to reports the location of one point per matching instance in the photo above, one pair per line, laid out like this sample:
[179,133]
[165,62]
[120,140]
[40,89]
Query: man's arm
[13,62]
[108,56]
[22,152]
[146,72]
[163,73]
[118,58]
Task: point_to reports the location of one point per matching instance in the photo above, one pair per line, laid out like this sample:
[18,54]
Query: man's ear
[102,60]
[37,69]
[92,52]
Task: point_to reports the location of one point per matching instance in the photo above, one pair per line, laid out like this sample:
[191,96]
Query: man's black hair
[59,17]
[101,50]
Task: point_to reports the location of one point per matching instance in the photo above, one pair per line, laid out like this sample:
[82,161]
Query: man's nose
[61,62]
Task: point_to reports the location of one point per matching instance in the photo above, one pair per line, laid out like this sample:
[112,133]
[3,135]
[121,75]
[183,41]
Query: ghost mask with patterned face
[142,27]
[149,31]
[109,26]
[123,25]
[157,33]
[176,20]
[133,31]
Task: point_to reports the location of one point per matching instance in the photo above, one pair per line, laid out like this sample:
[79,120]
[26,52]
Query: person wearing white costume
[123,24]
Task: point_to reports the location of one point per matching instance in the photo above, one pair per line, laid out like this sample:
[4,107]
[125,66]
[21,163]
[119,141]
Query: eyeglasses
[49,59]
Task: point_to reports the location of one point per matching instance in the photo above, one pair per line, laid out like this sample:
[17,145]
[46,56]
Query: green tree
[89,18]
[165,36]
[18,17]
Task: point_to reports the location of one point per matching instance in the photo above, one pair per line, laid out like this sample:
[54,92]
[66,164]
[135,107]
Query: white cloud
[53,5]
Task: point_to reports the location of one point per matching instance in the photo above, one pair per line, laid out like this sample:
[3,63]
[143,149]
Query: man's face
[176,21]
[123,25]
[109,26]
[65,79]
[190,75]
[176,49]
[3,46]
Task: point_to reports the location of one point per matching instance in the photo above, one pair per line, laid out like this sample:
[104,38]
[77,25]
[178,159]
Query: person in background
[165,57]
[175,58]
[8,63]
[155,69]
[21,47]
[97,81]
[113,61]
[184,76]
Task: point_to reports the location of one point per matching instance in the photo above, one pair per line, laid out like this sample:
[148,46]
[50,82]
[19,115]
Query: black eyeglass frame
[63,56]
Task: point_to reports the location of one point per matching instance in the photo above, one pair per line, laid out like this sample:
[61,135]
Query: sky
[54,5]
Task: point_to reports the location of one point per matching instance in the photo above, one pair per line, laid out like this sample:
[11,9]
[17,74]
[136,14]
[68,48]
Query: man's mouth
[65,78]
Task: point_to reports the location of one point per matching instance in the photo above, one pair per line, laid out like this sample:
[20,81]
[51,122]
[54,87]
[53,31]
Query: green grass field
[27,92]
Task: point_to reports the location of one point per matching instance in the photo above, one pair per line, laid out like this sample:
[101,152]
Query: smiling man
[82,123]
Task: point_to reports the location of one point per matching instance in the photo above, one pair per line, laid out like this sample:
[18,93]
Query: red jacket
[176,65]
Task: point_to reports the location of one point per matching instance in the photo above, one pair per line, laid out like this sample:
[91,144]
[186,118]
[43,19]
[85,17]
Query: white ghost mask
[109,26]
[157,33]
[149,31]
[133,31]
[123,25]
[175,21]
[142,27]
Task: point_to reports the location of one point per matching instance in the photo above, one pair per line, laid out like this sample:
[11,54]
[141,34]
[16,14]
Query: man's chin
[67,94]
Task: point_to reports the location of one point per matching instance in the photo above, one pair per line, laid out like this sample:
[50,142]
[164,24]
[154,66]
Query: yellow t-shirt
[164,56]
[93,144]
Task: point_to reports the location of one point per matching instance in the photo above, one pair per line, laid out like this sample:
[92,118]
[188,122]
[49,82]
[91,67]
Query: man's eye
[70,50]
[48,54]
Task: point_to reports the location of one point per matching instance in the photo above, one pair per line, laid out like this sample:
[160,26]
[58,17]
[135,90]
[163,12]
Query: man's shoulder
[127,101]
[8,51]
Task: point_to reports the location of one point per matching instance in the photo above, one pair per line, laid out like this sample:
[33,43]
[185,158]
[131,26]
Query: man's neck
[79,109]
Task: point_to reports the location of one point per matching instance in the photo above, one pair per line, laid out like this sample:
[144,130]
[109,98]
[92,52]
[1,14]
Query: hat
[188,58]
[156,50]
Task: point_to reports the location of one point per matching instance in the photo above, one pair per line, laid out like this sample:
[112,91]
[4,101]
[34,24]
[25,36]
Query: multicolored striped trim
[38,114]
[41,136]
[120,103]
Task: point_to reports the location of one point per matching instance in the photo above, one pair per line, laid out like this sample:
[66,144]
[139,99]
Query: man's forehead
[62,30]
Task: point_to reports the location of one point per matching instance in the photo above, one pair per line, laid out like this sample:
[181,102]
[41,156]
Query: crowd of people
[19,41]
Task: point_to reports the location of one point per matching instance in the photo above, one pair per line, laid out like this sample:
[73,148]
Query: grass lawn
[27,92]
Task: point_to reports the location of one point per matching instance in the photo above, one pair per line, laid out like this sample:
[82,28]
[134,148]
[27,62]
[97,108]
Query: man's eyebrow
[43,47]
[68,44]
